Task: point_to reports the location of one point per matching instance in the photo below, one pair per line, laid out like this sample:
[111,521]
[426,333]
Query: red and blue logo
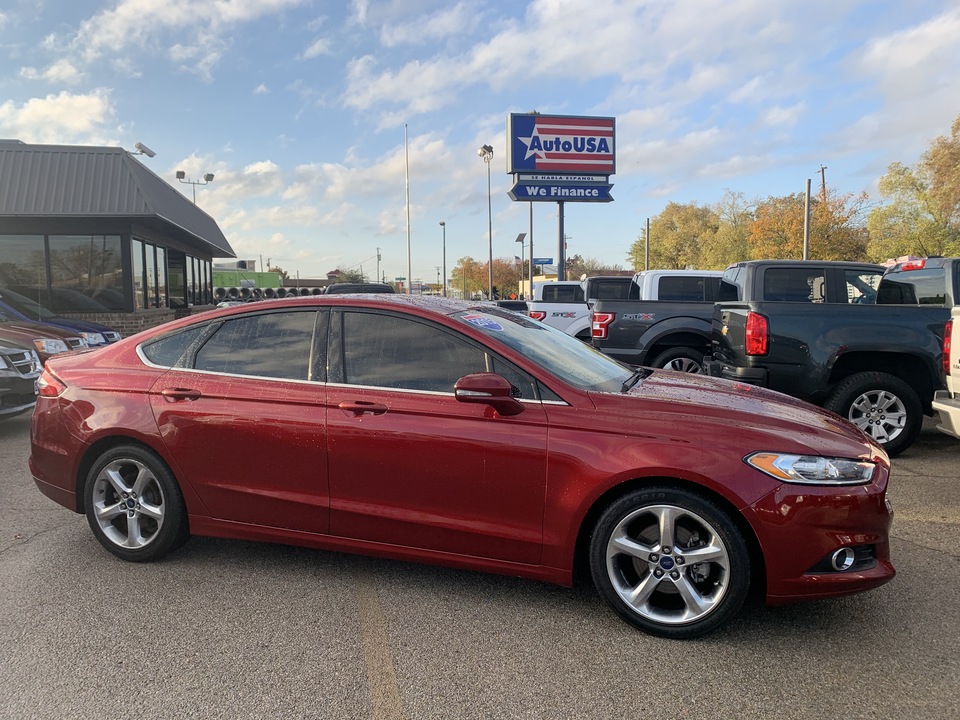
[561,144]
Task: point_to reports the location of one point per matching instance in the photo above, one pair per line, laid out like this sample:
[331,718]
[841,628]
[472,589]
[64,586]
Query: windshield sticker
[482,321]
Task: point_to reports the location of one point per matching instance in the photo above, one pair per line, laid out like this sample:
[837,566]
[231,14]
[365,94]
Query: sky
[320,119]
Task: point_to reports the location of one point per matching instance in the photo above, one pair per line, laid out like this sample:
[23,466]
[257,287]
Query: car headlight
[92,338]
[50,346]
[812,469]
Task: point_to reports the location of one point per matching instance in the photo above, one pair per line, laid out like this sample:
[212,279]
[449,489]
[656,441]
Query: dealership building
[91,232]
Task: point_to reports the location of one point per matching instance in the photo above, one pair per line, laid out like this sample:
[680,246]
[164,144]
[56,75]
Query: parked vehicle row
[30,335]
[427,429]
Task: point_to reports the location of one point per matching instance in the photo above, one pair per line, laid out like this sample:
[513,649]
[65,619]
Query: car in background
[425,429]
[19,369]
[947,402]
[350,287]
[46,340]
[21,307]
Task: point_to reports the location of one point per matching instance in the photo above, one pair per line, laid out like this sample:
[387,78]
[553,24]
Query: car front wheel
[133,504]
[670,562]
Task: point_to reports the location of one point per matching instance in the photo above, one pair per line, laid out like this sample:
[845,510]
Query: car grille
[24,362]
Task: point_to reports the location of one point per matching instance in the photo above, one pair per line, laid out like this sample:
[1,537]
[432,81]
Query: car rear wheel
[670,562]
[883,406]
[680,359]
[133,504]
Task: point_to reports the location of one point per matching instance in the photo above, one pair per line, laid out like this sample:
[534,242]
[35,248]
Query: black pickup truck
[864,345]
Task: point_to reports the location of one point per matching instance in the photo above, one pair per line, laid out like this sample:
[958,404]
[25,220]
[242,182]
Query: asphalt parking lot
[225,629]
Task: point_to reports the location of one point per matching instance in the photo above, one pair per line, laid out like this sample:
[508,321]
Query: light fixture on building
[182,177]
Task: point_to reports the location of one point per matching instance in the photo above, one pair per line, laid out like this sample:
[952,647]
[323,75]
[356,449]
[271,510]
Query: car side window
[167,350]
[383,350]
[272,344]
[861,286]
[805,285]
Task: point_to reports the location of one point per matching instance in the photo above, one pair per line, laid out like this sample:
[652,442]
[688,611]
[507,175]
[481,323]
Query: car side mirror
[488,389]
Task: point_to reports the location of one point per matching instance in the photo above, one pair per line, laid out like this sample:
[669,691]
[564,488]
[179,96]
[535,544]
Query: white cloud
[318,48]
[145,23]
[261,89]
[61,72]
[448,22]
[62,118]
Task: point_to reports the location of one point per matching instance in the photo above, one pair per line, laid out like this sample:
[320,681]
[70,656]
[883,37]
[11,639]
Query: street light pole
[520,238]
[443,226]
[486,154]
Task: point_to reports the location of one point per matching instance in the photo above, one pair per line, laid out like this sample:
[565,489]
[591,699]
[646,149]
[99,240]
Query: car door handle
[174,394]
[361,407]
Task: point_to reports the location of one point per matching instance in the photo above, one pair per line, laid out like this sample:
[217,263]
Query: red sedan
[465,435]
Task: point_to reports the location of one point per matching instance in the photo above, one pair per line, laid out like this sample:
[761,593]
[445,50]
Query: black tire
[655,586]
[681,359]
[882,405]
[133,504]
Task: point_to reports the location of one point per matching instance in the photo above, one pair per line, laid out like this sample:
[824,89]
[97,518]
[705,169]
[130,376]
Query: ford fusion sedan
[465,435]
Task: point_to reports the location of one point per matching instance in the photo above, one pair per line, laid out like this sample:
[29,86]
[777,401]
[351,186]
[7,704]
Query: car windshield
[566,358]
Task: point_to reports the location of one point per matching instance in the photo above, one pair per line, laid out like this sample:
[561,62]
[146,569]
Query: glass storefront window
[86,273]
[136,259]
[150,272]
[161,277]
[22,264]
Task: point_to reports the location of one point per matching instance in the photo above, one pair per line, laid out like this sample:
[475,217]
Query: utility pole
[823,185]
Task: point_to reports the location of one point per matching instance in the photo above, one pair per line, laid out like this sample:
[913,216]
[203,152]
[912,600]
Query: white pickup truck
[566,304]
[947,402]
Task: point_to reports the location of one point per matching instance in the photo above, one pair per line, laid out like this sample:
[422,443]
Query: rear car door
[243,417]
[412,466]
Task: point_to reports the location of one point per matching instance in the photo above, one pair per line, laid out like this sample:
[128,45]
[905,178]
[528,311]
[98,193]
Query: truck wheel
[680,359]
[670,562]
[882,405]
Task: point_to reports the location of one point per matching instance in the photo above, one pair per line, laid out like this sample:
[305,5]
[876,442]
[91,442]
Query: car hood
[768,420]
[30,331]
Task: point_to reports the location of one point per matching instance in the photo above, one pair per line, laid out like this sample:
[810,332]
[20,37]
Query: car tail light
[537,314]
[756,339]
[913,265]
[600,323]
[947,344]
[49,385]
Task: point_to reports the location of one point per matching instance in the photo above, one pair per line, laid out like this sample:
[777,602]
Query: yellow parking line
[381,676]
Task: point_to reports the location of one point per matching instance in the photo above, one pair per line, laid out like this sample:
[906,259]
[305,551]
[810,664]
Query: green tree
[732,241]
[922,212]
[677,237]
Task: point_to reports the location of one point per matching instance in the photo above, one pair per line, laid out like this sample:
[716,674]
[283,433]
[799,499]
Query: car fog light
[843,559]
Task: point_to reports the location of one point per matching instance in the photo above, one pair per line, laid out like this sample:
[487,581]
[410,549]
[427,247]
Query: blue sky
[298,107]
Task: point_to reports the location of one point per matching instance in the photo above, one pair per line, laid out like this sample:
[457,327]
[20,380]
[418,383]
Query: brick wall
[130,323]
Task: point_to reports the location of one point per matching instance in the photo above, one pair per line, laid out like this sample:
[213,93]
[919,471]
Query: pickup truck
[566,304]
[664,322]
[826,332]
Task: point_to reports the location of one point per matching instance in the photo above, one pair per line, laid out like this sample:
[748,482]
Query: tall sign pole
[560,158]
